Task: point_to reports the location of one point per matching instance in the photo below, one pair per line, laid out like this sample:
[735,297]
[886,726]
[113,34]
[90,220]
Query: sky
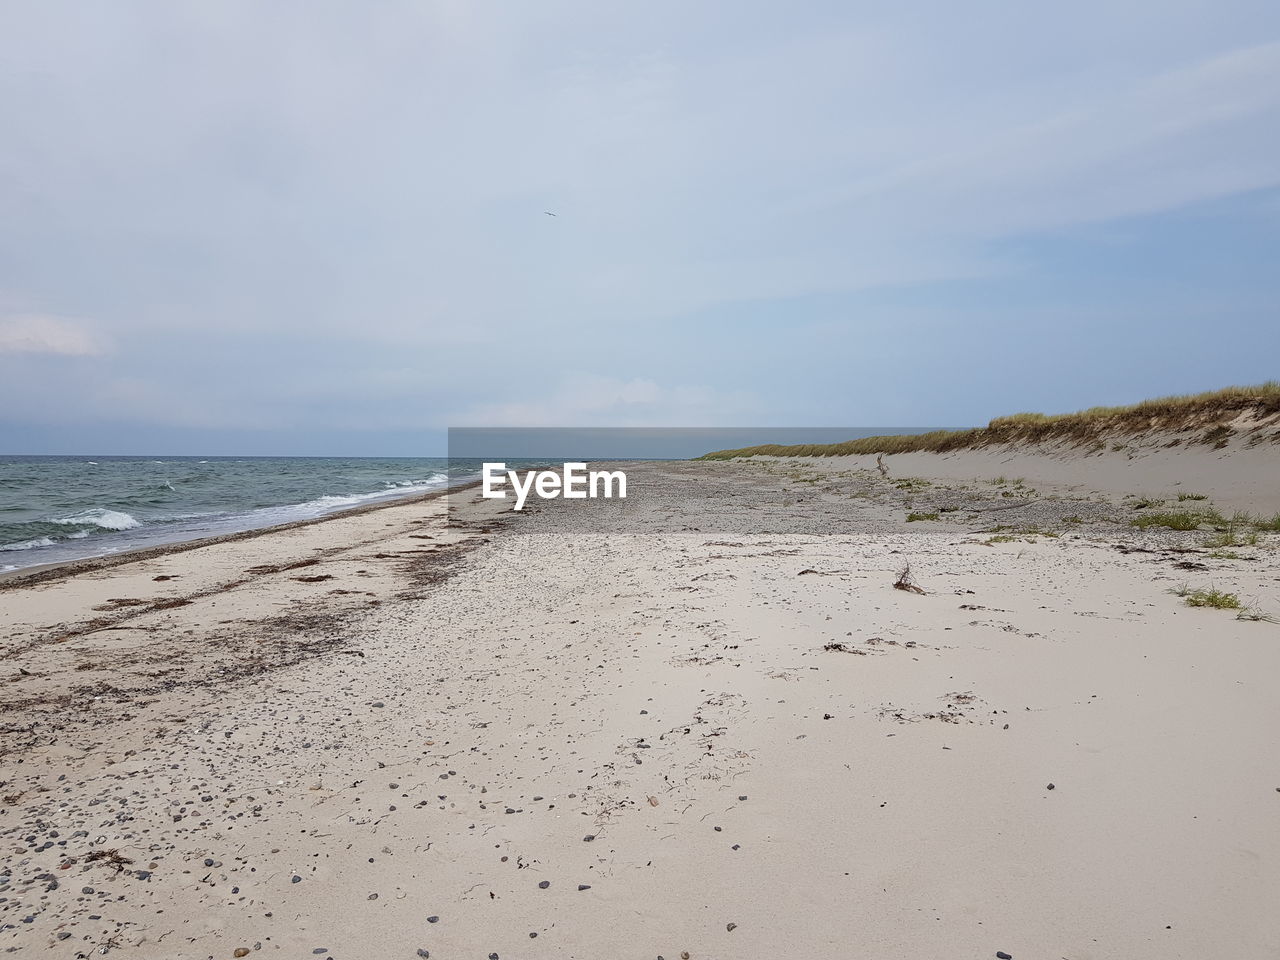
[313,227]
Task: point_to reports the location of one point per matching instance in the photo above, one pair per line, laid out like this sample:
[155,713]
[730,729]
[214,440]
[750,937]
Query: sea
[55,509]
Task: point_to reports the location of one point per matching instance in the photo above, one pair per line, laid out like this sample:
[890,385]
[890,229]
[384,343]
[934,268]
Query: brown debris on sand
[837,647]
[907,582]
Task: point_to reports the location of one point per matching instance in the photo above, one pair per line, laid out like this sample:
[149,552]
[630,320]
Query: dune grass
[1186,412]
[1255,615]
[1209,597]
[1272,524]
[1177,519]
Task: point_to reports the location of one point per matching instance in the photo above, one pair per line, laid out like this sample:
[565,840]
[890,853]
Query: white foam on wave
[100,517]
[27,544]
[333,502]
[432,481]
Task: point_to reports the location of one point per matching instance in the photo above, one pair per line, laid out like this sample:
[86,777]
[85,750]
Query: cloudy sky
[318,227]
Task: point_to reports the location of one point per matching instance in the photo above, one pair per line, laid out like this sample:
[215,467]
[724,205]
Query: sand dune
[1234,476]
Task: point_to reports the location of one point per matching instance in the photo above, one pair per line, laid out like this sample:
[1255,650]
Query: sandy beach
[665,481]
[729,735]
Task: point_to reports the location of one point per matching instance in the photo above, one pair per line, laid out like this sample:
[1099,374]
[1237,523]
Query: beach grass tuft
[1255,615]
[1209,597]
[1272,524]
[1177,519]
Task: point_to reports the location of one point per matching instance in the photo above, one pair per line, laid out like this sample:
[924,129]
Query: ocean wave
[27,544]
[204,503]
[100,517]
[334,502]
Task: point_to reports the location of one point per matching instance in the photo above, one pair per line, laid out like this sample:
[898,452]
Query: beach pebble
[433,919]
[295,879]
[584,886]
[544,884]
[1001,955]
[730,927]
[240,952]
[1049,787]
[424,953]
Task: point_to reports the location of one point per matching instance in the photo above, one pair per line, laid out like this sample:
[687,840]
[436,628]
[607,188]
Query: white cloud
[58,336]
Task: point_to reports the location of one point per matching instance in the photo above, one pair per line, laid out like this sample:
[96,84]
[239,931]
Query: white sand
[445,750]
[1240,475]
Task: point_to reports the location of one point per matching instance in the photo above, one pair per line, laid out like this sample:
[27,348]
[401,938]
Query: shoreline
[41,573]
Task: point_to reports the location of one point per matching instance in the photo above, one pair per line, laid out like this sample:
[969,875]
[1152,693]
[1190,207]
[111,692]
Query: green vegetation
[1209,597]
[1273,524]
[1177,519]
[1232,534]
[1225,555]
[1192,496]
[1240,529]
[913,517]
[1004,533]
[1085,427]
